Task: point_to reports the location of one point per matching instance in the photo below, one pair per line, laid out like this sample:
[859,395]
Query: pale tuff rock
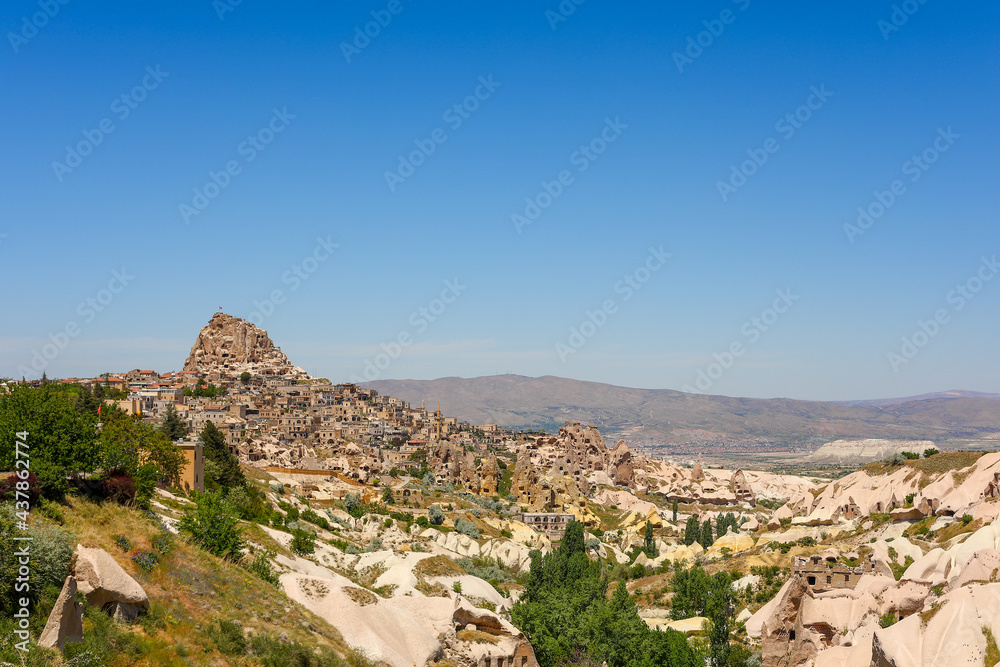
[65,623]
[231,345]
[966,491]
[106,585]
[864,450]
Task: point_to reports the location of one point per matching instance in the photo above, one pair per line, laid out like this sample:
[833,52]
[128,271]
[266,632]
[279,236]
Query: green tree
[692,531]
[435,515]
[214,526]
[387,495]
[706,539]
[673,509]
[61,440]
[131,446]
[245,377]
[648,545]
[569,619]
[217,452]
[172,425]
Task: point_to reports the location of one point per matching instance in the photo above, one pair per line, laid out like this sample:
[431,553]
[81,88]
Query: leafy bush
[423,522]
[315,519]
[887,619]
[260,565]
[8,488]
[435,515]
[467,527]
[303,542]
[119,487]
[911,456]
[487,569]
[896,459]
[929,452]
[249,503]
[213,526]
[374,545]
[352,503]
[278,487]
[966,519]
[51,553]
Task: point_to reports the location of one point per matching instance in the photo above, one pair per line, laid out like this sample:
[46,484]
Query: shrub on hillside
[214,526]
[353,505]
[315,519]
[51,550]
[260,565]
[467,527]
[249,503]
[435,515]
[32,486]
[303,542]
[119,487]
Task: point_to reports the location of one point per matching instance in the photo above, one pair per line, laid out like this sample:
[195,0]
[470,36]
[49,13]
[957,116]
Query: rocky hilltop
[867,449]
[231,345]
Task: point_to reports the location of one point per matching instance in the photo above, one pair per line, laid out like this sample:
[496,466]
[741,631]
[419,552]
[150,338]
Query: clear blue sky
[672,130]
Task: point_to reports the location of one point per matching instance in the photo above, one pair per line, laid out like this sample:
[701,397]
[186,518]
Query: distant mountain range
[669,417]
[955,393]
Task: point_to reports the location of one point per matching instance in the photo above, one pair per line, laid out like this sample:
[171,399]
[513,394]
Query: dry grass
[926,616]
[360,595]
[992,656]
[190,588]
[957,528]
[476,637]
[438,566]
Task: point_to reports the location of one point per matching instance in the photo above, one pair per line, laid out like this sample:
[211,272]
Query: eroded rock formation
[231,345]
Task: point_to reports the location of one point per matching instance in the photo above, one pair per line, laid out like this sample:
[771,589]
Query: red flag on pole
[98,409]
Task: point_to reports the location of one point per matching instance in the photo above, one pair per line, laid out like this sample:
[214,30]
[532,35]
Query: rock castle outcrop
[230,345]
